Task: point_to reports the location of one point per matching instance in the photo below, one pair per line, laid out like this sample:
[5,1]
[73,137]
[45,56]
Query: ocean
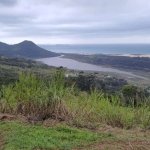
[99,48]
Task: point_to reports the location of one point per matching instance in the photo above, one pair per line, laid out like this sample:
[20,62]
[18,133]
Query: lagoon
[75,65]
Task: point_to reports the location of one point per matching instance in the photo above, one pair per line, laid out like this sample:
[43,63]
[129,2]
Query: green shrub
[31,96]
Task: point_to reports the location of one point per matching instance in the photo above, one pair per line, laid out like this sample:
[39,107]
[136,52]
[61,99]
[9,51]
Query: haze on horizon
[75,21]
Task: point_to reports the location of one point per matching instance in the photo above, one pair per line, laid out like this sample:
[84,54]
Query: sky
[75,21]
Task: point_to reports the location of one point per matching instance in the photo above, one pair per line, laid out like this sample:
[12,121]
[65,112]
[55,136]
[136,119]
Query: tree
[132,95]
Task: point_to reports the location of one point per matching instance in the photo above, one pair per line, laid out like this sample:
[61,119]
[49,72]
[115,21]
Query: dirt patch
[50,122]
[7,117]
[123,139]
[106,128]
[23,119]
[138,145]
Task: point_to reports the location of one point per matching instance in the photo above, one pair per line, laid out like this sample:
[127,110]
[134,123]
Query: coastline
[126,55]
[131,55]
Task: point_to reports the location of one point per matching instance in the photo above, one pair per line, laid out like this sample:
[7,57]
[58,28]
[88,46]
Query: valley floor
[141,82]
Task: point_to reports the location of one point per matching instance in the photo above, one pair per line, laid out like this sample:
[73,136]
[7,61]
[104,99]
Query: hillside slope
[10,67]
[25,49]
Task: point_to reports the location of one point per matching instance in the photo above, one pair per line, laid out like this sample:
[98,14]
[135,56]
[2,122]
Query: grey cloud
[76,18]
[77,31]
[14,20]
[8,2]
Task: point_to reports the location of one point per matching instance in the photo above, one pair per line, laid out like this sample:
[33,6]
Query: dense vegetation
[21,62]
[103,83]
[25,49]
[137,63]
[9,68]
[33,97]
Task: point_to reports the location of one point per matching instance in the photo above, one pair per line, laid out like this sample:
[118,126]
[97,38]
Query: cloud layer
[8,2]
[75,21]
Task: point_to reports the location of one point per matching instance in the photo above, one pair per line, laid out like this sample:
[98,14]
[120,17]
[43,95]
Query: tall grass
[31,96]
[94,109]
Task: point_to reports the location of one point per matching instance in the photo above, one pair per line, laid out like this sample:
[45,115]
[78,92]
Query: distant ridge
[26,49]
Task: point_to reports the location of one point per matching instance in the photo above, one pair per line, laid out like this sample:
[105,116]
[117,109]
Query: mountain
[26,49]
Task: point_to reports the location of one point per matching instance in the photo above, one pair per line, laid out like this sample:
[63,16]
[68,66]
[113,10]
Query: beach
[131,55]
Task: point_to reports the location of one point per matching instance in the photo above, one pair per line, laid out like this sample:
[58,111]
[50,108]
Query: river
[75,65]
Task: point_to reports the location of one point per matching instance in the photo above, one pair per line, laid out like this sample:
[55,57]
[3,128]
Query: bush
[133,95]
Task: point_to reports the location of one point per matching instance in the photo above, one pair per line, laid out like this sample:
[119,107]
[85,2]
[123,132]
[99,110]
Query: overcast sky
[75,21]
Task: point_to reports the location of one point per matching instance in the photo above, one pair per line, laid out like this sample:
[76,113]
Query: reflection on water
[73,64]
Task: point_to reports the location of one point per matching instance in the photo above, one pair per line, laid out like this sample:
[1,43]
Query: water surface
[100,48]
[75,65]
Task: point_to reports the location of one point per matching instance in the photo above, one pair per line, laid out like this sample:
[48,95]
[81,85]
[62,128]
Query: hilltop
[26,49]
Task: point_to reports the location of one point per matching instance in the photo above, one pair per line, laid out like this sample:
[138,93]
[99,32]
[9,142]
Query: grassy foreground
[39,101]
[19,136]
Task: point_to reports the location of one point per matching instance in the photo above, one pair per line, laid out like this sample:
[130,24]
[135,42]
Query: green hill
[26,49]
[10,66]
